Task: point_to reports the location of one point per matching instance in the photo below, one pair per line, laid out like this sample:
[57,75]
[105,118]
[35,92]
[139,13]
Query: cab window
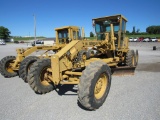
[123,25]
[74,35]
[78,33]
[63,34]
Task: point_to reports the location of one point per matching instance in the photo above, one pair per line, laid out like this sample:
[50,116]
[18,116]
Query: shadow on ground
[63,89]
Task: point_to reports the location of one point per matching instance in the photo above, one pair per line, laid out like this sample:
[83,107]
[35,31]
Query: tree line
[149,30]
[4,33]
[153,29]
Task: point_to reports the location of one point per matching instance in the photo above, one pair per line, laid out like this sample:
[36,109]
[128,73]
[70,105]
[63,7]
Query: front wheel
[130,58]
[94,85]
[6,67]
[38,76]
[25,67]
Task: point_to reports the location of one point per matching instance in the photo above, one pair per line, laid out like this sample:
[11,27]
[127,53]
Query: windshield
[62,35]
[104,26]
[100,27]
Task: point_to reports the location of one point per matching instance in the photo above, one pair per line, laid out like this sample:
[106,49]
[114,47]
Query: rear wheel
[130,58]
[38,76]
[25,66]
[94,85]
[6,67]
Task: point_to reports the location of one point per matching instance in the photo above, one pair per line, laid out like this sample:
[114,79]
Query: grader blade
[123,71]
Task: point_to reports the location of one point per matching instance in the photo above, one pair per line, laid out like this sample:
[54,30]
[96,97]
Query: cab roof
[110,17]
[67,27]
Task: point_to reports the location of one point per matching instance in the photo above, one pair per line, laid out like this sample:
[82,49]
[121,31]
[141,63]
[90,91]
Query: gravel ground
[131,97]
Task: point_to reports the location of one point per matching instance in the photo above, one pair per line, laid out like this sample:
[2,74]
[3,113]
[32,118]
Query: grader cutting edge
[11,66]
[89,68]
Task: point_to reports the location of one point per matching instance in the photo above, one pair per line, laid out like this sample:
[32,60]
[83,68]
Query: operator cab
[103,25]
[66,34]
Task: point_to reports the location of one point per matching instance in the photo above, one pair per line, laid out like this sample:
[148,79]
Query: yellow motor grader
[11,66]
[87,63]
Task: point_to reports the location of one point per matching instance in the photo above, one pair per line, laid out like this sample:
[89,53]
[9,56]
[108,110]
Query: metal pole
[34,27]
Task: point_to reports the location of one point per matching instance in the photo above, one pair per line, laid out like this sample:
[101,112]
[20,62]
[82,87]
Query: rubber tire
[154,47]
[3,70]
[129,56]
[136,58]
[34,76]
[23,69]
[80,54]
[87,84]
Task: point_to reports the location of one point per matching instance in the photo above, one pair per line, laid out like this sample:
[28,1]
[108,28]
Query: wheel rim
[44,77]
[92,53]
[84,57]
[100,86]
[9,66]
